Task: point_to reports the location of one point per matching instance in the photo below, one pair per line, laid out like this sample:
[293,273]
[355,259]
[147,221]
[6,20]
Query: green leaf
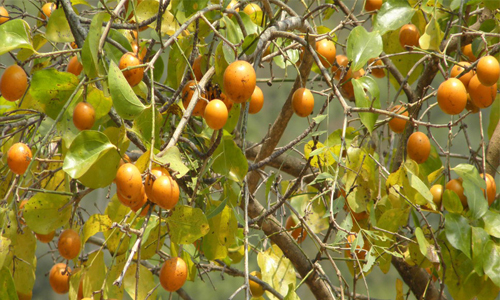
[147,282]
[418,185]
[52,90]
[88,153]
[361,46]
[58,29]
[367,95]
[492,262]
[126,103]
[451,202]
[187,224]
[94,273]
[392,15]
[335,138]
[431,39]
[96,223]
[153,237]
[15,34]
[472,184]
[91,46]
[43,212]
[492,223]
[458,233]
[480,238]
[4,249]
[143,126]
[173,157]
[177,61]
[38,41]
[24,266]
[230,160]
[116,212]
[221,235]
[102,104]
[7,286]
[276,270]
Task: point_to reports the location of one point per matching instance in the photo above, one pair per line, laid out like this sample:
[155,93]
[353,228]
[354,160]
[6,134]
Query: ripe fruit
[491,188]
[299,234]
[173,274]
[132,202]
[197,68]
[187,94]
[19,158]
[69,244]
[302,102]
[418,147]
[471,106]
[148,183]
[139,204]
[409,36]
[13,83]
[371,5]
[256,101]
[256,289]
[452,96]
[128,181]
[326,52]
[137,50]
[22,296]
[437,194]
[395,124]
[165,192]
[227,101]
[458,69]
[342,61]
[47,9]
[133,76]
[467,51]
[45,238]
[216,114]
[488,70]
[239,81]
[4,15]
[481,96]
[377,72]
[59,278]
[455,185]
[84,116]
[74,66]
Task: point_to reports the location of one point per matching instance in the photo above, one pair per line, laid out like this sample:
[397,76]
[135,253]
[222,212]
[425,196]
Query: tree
[122,96]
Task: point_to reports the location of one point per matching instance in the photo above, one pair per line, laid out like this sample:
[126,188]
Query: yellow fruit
[488,70]
[437,194]
[165,192]
[216,114]
[84,116]
[133,76]
[256,289]
[455,185]
[13,83]
[491,188]
[187,94]
[4,15]
[377,72]
[342,61]
[371,5]
[395,124]
[256,101]
[409,36]
[47,9]
[303,102]
[458,69]
[481,96]
[452,96]
[173,274]
[299,234]
[69,244]
[128,181]
[59,278]
[418,147]
[326,52]
[467,51]
[18,158]
[239,81]
[74,66]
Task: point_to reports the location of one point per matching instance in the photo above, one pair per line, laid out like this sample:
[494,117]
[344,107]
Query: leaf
[102,104]
[153,237]
[43,212]
[458,233]
[94,273]
[58,29]
[88,153]
[52,90]
[472,184]
[480,238]
[230,160]
[95,223]
[431,39]
[276,270]
[492,223]
[367,95]
[7,286]
[321,155]
[15,34]
[173,157]
[187,224]
[177,61]
[392,15]
[147,282]
[126,103]
[418,185]
[221,235]
[492,261]
[115,238]
[451,202]
[4,249]
[91,46]
[361,46]
[143,126]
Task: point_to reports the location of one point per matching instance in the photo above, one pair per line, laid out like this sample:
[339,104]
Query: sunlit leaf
[230,160]
[221,235]
[126,103]
[276,270]
[361,46]
[187,224]
[95,223]
[91,46]
[58,29]
[147,282]
[392,15]
[43,212]
[367,95]
[7,286]
[432,37]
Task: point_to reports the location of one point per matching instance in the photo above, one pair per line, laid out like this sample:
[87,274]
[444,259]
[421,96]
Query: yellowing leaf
[432,37]
[187,224]
[96,223]
[322,156]
[221,235]
[276,270]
